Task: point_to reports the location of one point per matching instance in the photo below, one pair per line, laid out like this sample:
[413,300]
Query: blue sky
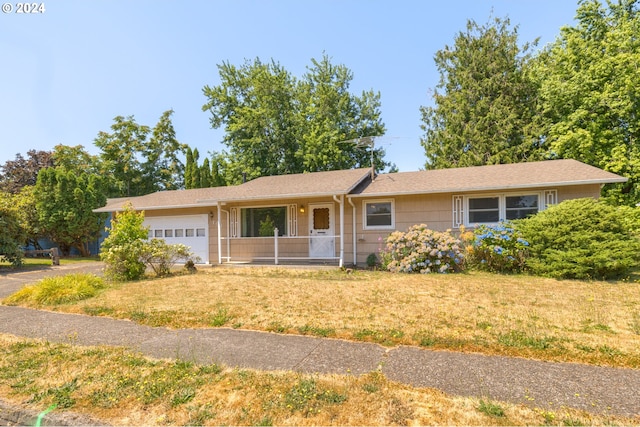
[66,73]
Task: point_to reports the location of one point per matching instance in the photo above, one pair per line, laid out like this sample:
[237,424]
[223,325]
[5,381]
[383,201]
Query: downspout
[219,234]
[341,202]
[353,231]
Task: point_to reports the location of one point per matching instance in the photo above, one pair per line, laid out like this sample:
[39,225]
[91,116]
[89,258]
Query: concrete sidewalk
[539,384]
[533,383]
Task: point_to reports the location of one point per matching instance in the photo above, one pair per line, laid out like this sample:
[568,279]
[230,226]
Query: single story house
[343,216]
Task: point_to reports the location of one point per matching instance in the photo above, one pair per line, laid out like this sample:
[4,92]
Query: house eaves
[551,173]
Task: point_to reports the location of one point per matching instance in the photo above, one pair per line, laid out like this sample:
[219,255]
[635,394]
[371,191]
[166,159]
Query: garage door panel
[189,230]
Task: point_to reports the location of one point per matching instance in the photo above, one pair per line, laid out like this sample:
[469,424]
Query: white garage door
[190,230]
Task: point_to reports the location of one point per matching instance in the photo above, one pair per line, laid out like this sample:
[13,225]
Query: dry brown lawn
[591,322]
[119,387]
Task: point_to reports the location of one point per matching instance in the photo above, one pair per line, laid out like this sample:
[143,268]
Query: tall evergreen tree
[485,101]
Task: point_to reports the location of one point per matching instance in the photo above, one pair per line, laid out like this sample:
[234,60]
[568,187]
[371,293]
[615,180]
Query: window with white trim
[261,222]
[493,208]
[378,214]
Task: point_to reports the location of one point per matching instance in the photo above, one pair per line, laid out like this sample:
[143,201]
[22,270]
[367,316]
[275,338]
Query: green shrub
[581,239]
[372,260]
[161,256]
[58,290]
[421,250]
[498,248]
[122,249]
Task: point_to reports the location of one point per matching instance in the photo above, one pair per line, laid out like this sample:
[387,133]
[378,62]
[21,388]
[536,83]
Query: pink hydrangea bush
[421,250]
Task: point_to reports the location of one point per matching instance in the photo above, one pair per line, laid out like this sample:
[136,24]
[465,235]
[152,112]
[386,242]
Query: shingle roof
[268,187]
[489,178]
[355,183]
[299,185]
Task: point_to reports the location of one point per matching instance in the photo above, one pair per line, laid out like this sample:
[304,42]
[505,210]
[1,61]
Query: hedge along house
[343,216]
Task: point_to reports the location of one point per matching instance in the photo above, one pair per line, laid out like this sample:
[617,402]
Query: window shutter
[550,198]
[458,211]
[233,222]
[293,220]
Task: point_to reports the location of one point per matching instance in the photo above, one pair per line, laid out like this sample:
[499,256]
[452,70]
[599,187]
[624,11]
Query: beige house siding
[435,210]
[578,192]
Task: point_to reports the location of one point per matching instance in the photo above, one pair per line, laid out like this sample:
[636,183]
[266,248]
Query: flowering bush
[421,250]
[497,248]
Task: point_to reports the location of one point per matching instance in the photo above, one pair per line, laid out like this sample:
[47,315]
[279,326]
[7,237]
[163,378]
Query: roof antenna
[365,141]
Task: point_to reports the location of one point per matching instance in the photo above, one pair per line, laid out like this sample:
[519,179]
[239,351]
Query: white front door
[322,241]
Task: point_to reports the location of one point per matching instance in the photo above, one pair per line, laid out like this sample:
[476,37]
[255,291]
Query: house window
[379,214]
[518,207]
[157,233]
[200,232]
[188,232]
[260,222]
[179,232]
[485,209]
[168,233]
[496,208]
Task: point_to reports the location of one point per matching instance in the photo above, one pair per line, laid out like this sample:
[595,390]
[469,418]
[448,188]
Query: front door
[322,240]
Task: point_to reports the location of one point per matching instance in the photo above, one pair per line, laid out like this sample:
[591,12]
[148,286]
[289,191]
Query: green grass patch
[490,408]
[58,290]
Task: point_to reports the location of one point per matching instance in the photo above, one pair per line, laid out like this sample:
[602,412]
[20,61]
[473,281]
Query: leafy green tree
[11,233]
[162,169]
[74,158]
[25,205]
[65,203]
[256,104]
[276,124]
[120,155]
[15,174]
[590,92]
[121,251]
[330,113]
[485,101]
[139,164]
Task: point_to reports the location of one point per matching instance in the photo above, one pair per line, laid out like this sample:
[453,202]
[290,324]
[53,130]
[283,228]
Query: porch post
[353,231]
[341,230]
[219,234]
[275,244]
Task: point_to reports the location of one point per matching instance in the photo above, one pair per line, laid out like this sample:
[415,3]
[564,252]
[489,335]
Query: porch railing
[277,256]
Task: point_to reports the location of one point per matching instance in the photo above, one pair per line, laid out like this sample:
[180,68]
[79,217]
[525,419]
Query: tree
[27,213]
[65,203]
[590,93]
[20,172]
[162,169]
[120,155]
[485,101]
[138,164]
[256,104]
[276,124]
[331,114]
[74,158]
[11,233]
